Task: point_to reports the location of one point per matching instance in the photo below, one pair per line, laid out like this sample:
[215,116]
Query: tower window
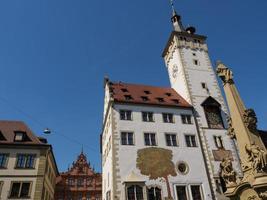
[212,110]
[214,118]
[194,54]
[196,62]
[218,142]
[204,85]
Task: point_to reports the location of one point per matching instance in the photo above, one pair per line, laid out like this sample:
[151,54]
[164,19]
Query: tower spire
[176,19]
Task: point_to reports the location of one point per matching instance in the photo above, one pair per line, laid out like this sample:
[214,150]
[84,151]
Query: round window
[182,167]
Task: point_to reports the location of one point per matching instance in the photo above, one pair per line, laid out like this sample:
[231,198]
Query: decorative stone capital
[224,73]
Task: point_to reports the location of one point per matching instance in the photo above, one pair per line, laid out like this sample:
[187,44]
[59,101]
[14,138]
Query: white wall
[192,156]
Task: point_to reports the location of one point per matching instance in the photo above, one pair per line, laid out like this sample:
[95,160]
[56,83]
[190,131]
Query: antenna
[172,5]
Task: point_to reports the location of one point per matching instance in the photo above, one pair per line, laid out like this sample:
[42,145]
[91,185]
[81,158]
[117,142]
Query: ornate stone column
[252,152]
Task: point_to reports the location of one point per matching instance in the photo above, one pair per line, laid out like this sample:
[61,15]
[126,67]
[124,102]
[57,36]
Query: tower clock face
[174,71]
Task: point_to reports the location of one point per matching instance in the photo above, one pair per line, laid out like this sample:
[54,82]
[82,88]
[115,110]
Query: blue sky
[55,54]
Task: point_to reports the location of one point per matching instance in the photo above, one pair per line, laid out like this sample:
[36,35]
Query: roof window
[128,97]
[168,94]
[144,98]
[147,92]
[160,99]
[21,136]
[176,101]
[124,90]
[2,138]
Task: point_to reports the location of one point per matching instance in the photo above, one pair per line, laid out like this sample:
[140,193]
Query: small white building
[151,147]
[27,166]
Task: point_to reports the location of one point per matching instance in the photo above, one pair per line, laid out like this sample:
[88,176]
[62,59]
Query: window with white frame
[125,114]
[135,192]
[190,140]
[171,139]
[20,190]
[127,138]
[25,161]
[218,142]
[186,119]
[181,192]
[168,117]
[150,139]
[147,116]
[196,192]
[154,193]
[3,160]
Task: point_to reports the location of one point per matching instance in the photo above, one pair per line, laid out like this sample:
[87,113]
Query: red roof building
[80,182]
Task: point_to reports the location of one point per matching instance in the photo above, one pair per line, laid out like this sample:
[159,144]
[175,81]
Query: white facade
[12,174]
[119,161]
[191,74]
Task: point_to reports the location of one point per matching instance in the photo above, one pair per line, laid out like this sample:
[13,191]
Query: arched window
[154,193]
[135,192]
[212,111]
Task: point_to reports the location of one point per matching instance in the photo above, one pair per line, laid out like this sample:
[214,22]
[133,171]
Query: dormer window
[144,98]
[124,90]
[160,100]
[147,92]
[21,136]
[168,94]
[176,101]
[128,97]
[2,138]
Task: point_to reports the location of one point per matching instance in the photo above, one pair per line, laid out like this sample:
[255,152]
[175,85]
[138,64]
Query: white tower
[191,74]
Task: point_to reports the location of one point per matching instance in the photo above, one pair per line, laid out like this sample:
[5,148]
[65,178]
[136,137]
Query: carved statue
[263,195]
[231,130]
[250,120]
[224,73]
[227,172]
[257,157]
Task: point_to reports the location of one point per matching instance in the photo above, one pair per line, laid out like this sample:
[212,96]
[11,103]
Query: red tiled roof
[8,129]
[143,94]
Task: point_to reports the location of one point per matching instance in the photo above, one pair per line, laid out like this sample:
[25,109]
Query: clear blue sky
[54,55]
